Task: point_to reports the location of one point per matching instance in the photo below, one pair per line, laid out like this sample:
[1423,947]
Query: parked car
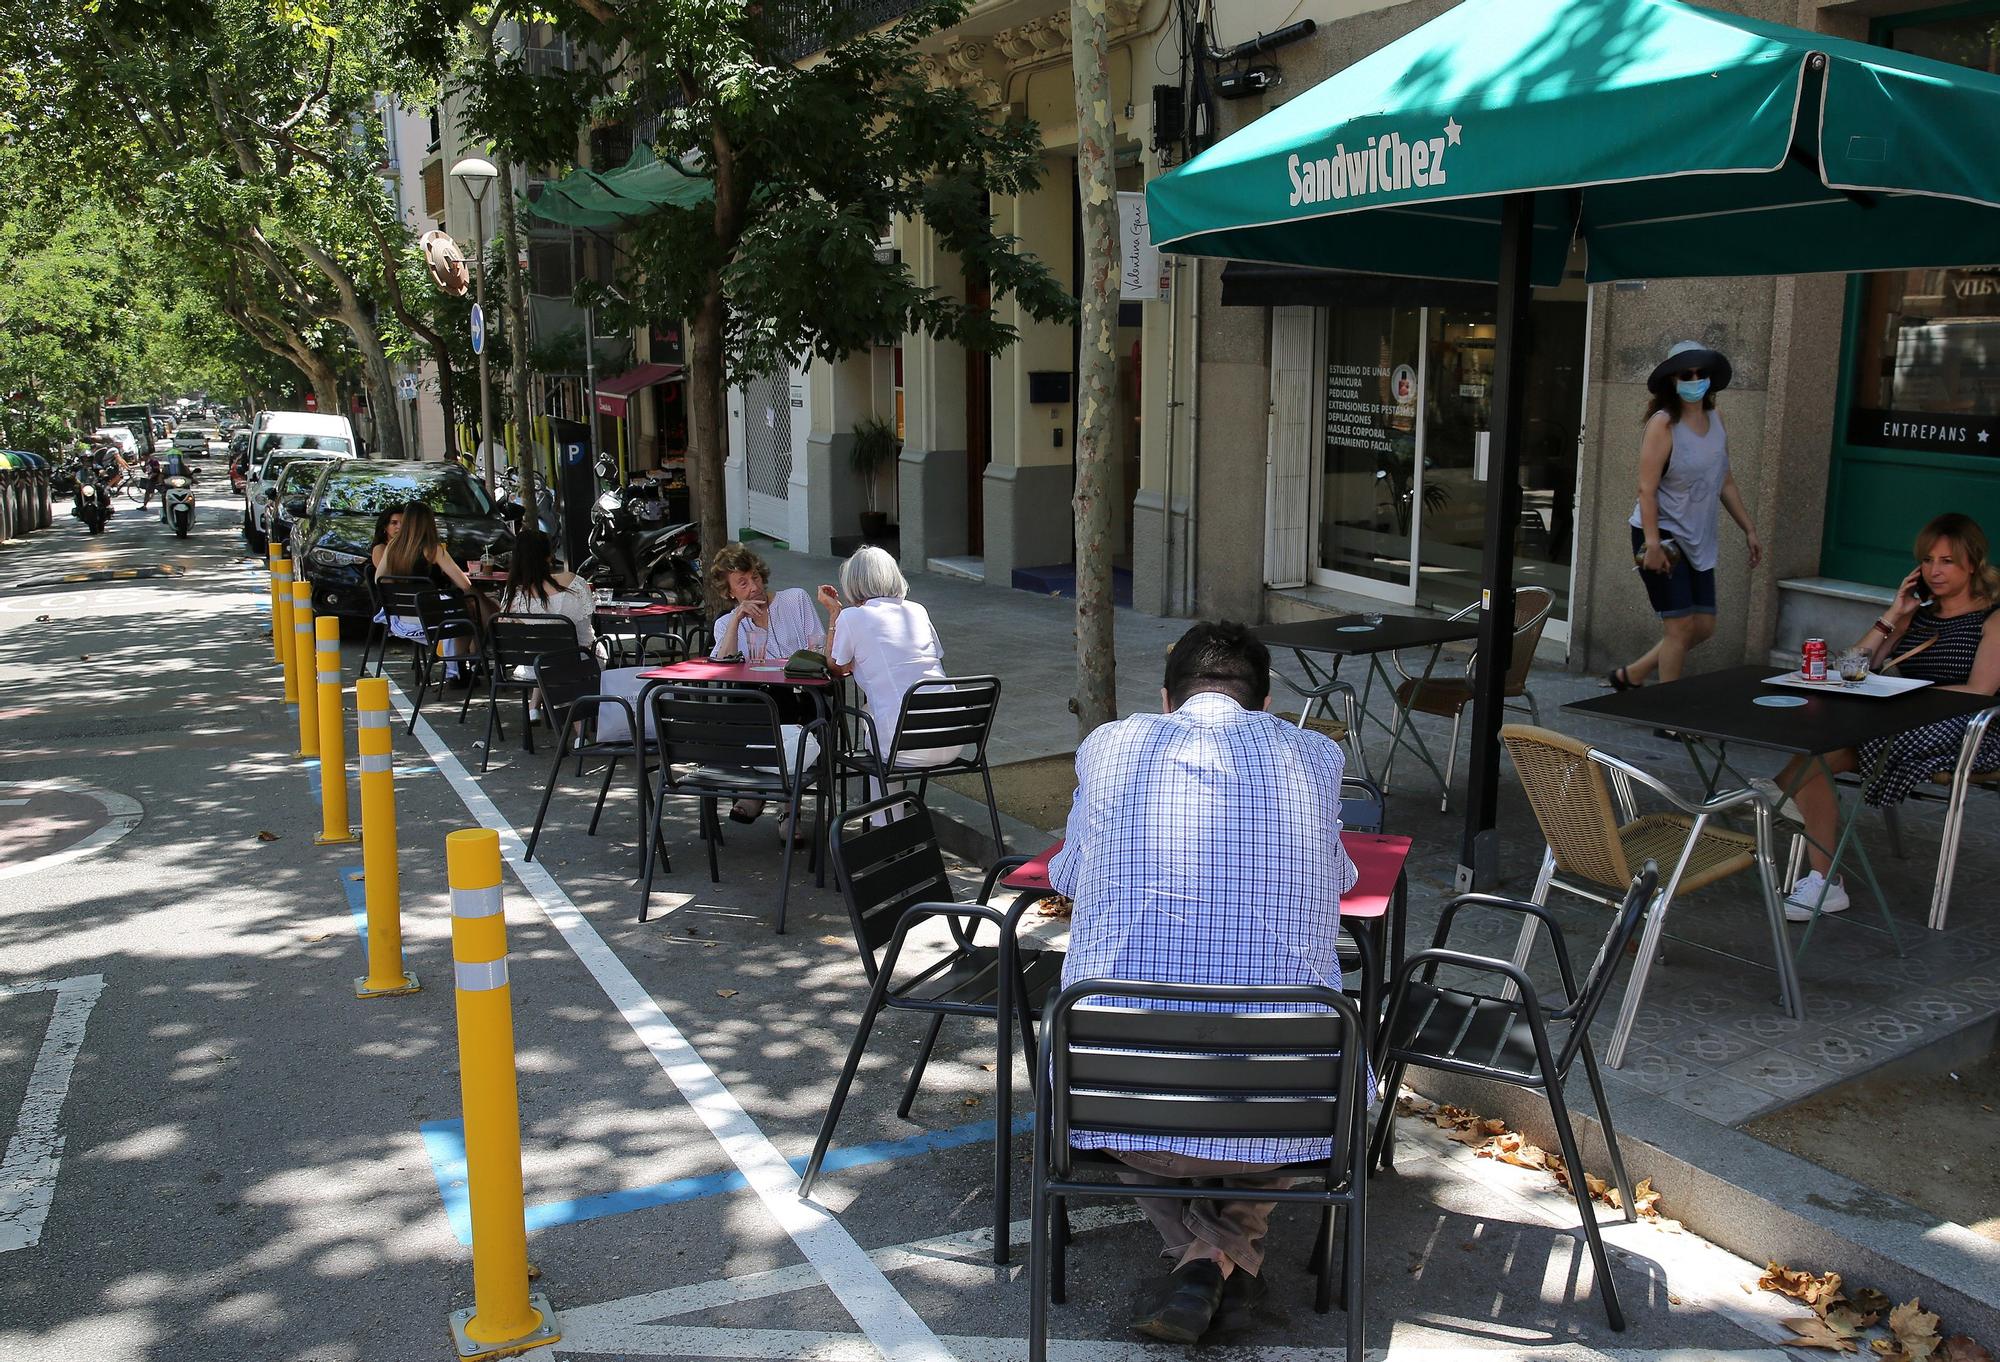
[294,483]
[280,437]
[335,526]
[127,442]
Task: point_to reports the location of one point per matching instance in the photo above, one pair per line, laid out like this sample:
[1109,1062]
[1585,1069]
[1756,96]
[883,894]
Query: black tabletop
[1352,636]
[1721,706]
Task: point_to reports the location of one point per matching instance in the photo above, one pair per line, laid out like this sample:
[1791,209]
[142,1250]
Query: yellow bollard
[284,584]
[504,1318]
[386,976]
[281,626]
[302,662]
[333,826]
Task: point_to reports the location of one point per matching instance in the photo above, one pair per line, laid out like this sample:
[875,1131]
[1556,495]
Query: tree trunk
[378,381]
[708,423]
[517,318]
[1097,368]
[447,395]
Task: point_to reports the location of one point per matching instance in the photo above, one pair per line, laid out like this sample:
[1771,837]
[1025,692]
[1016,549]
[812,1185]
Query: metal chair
[1447,697]
[512,644]
[377,638]
[954,711]
[893,878]
[1288,1065]
[726,742]
[1506,1038]
[571,683]
[441,617]
[1593,847]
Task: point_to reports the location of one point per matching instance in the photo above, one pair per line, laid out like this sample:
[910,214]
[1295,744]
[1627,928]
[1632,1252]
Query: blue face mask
[1692,391]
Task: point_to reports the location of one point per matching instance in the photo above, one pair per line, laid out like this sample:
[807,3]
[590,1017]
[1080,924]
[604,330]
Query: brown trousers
[1235,1227]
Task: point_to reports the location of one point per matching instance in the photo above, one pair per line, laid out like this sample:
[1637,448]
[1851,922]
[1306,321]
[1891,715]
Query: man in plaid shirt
[1204,848]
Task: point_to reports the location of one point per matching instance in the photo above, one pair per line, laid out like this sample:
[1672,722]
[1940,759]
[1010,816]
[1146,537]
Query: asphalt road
[217,1152]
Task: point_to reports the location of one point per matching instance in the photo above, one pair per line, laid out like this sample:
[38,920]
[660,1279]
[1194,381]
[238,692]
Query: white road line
[972,1248]
[877,1307]
[123,811]
[28,1172]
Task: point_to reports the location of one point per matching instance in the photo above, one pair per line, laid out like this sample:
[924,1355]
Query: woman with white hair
[885,640]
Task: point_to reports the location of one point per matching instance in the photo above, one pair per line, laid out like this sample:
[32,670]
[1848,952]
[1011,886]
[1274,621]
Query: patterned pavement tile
[1723,1100]
[1653,1070]
[1767,1028]
[1710,1047]
[1710,1006]
[1891,1030]
[1833,1051]
[1828,1005]
[1982,987]
[1654,1025]
[1782,1075]
[1939,1008]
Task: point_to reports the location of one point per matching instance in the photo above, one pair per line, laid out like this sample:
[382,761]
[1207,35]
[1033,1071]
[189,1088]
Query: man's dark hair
[1223,657]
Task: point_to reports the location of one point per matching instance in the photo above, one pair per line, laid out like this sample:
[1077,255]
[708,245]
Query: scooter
[93,503]
[627,556]
[515,510]
[177,503]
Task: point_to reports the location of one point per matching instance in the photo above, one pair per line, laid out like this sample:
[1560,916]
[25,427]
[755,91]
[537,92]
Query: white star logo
[1984,435]
[1452,129]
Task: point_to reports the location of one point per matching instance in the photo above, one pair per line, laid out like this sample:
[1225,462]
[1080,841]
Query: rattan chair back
[1572,802]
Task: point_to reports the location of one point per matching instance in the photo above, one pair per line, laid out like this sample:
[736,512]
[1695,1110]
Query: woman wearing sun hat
[1683,477]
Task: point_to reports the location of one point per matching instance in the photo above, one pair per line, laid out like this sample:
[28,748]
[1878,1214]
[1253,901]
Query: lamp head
[476,173]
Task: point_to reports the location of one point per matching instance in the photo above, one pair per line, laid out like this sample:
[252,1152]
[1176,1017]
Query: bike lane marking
[122,814]
[885,1318]
[34,1154]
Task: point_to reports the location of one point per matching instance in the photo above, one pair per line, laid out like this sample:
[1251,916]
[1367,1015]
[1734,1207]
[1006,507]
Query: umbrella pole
[1479,858]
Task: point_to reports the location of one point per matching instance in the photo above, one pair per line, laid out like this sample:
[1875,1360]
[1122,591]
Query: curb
[1805,1216]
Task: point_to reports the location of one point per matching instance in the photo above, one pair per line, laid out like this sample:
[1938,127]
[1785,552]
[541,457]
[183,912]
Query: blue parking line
[356,889]
[444,1142]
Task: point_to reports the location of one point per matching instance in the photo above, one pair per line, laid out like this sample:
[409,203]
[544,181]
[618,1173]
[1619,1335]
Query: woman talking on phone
[1683,476]
[1943,627]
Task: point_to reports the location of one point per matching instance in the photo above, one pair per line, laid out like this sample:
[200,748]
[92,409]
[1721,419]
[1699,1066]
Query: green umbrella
[1672,141]
[1677,141]
[612,198]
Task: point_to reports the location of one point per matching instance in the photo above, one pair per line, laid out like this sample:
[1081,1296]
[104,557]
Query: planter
[874,525]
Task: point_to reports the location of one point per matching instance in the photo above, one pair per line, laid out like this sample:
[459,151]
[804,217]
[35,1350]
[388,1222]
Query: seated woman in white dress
[536,586]
[885,640]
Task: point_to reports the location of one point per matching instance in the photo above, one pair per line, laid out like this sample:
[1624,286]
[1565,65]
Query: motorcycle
[511,506]
[93,502]
[630,551]
[177,503]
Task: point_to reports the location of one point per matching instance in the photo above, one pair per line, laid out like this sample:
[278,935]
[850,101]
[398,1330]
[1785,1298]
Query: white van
[278,438]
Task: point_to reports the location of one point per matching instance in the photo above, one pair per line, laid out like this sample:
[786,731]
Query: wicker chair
[1595,846]
[1446,697]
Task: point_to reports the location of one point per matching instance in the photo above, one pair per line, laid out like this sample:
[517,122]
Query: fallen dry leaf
[831,940]
[267,836]
[534,1273]
[357,876]
[1513,1147]
[1055,905]
[725,993]
[1813,1332]
[1869,1299]
[1915,1329]
[319,936]
[990,1068]
[1672,1299]
[1819,1291]
[1961,1348]
[970,1102]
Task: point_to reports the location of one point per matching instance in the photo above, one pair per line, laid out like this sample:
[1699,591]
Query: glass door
[1372,444]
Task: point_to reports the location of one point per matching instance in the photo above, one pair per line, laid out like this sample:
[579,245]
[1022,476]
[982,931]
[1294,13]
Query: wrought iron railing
[808,25]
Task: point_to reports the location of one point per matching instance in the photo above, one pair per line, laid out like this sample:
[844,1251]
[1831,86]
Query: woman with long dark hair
[415,549]
[1683,478]
[536,586]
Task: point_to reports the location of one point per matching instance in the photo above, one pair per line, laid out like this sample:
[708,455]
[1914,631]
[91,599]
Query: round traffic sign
[478,329]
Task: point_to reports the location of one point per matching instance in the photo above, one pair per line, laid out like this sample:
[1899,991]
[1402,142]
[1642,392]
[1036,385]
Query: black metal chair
[513,642]
[1290,1066]
[572,693]
[440,616]
[725,742]
[1487,1035]
[893,878]
[952,711]
[377,639]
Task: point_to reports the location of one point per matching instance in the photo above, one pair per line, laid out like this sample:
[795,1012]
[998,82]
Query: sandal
[786,830]
[746,810]
[1619,680]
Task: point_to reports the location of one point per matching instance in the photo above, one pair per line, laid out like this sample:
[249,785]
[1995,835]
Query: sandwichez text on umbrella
[1385,165]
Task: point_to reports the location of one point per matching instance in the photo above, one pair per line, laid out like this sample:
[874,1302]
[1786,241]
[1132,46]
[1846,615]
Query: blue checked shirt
[1204,848]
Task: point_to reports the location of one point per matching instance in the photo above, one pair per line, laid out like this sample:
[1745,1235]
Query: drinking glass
[1853,667]
[1372,618]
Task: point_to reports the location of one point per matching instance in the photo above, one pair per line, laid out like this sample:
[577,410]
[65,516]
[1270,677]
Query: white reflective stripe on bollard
[374,763]
[475,902]
[331,678]
[480,977]
[374,718]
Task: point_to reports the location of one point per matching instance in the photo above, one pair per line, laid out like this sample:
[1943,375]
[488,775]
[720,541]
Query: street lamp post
[476,174]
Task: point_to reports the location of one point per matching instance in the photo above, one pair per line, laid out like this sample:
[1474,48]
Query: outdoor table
[1377,903]
[490,580]
[658,619]
[1346,636]
[1712,711]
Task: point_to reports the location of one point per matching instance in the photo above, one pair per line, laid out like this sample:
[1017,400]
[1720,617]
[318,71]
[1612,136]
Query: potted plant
[875,448]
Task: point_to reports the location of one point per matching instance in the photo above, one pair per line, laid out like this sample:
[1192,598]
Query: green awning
[612,198]
[1675,141]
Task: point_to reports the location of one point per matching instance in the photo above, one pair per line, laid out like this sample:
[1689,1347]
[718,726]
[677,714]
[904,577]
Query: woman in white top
[535,586]
[886,642]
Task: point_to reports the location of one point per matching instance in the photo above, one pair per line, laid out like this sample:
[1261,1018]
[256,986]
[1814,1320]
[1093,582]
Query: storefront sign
[1933,432]
[1142,275]
[1356,417]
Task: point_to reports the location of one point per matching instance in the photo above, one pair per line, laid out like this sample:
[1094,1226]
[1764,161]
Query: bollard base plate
[549,1331]
[409,985]
[320,839]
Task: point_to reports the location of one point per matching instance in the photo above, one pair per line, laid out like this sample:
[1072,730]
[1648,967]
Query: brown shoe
[1187,1306]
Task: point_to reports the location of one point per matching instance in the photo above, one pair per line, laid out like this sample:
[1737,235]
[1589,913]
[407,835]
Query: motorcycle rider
[175,465]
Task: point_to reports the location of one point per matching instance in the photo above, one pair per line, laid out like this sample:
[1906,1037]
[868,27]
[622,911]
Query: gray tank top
[1690,494]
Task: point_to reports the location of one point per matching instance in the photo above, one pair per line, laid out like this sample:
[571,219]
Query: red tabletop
[494,577]
[736,673]
[1378,863]
[621,612]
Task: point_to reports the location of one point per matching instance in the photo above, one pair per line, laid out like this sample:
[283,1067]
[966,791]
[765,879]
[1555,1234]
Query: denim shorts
[1683,591]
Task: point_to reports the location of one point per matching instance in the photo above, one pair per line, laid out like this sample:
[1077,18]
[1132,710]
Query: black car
[334,528]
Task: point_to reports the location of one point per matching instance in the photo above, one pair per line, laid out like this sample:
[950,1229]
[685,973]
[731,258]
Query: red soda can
[1812,662]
